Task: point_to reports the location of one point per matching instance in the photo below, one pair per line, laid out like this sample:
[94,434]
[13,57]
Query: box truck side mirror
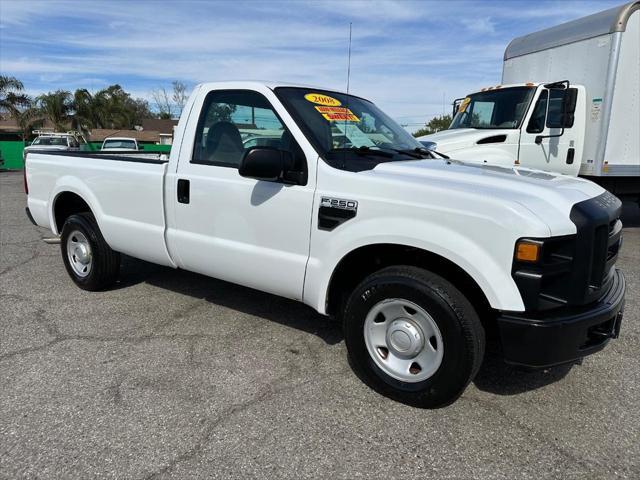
[561,107]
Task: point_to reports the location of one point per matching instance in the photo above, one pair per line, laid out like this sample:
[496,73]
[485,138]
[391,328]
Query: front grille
[576,269]
[598,236]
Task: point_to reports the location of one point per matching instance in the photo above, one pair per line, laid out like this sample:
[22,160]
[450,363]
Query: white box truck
[569,102]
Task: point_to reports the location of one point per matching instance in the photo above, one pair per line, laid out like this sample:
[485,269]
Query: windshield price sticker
[464,104]
[336,114]
[322,99]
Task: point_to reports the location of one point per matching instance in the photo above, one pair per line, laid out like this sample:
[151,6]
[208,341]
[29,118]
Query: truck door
[561,154]
[247,231]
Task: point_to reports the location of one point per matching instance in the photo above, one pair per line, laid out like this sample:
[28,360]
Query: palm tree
[12,96]
[86,113]
[56,107]
[28,119]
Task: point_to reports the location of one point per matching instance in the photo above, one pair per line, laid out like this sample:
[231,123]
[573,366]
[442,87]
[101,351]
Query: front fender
[489,266]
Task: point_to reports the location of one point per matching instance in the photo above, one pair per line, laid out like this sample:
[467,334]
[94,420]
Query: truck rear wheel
[413,336]
[90,262]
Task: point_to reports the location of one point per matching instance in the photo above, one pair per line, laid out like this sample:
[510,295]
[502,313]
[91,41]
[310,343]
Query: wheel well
[358,264]
[68,204]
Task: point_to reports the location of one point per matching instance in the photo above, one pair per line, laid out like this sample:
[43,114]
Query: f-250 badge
[339,203]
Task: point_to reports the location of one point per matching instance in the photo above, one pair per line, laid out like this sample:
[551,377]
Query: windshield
[499,108]
[338,124]
[51,141]
[129,144]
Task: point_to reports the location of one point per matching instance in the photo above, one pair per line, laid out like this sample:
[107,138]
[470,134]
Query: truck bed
[124,190]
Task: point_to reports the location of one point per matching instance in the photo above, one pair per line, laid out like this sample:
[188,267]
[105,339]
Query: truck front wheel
[90,262]
[413,336]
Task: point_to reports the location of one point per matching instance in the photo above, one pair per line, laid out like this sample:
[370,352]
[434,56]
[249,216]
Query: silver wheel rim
[79,253]
[403,340]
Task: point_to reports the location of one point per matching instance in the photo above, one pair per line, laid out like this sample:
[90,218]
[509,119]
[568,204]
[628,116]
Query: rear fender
[72,184]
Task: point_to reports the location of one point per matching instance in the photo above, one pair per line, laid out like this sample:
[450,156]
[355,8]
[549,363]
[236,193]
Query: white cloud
[480,25]
[405,54]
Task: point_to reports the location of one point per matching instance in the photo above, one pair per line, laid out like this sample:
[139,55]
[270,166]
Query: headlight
[528,250]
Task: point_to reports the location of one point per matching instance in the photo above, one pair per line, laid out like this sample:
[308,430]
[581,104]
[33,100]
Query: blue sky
[406,55]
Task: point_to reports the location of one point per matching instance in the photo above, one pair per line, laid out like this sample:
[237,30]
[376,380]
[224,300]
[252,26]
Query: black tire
[462,334]
[105,263]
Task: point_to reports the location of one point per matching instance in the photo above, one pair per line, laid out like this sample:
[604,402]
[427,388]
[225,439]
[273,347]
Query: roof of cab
[509,85]
[250,84]
[602,23]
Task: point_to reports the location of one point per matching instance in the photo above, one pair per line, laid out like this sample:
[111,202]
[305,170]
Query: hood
[459,138]
[548,196]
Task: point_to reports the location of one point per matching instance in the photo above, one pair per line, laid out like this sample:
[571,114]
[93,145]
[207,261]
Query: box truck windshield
[492,109]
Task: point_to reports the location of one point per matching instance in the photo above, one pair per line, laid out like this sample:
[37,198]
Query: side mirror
[563,104]
[561,107]
[569,107]
[265,163]
[429,145]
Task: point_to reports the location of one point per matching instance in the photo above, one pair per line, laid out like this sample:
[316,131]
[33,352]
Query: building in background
[154,135]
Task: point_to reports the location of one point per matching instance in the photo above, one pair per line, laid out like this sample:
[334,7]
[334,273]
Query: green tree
[56,107]
[111,107]
[434,125]
[12,96]
[28,119]
[86,114]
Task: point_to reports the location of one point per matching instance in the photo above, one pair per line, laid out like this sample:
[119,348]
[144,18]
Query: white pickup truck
[120,143]
[420,257]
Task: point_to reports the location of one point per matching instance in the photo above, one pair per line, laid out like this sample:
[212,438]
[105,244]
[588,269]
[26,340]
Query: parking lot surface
[176,375]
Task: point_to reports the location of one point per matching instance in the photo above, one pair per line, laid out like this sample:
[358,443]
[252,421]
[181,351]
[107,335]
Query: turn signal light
[527,251]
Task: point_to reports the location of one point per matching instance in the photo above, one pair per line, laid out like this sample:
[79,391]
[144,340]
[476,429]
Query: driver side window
[234,121]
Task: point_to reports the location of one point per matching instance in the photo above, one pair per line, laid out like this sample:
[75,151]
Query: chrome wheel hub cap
[79,253]
[403,340]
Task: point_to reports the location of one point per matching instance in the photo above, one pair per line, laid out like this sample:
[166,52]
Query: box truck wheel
[90,262]
[413,336]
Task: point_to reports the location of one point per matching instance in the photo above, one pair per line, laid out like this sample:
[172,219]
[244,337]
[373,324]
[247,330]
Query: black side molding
[331,217]
[335,211]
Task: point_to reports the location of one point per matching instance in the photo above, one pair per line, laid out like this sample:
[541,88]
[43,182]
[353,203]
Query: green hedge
[12,154]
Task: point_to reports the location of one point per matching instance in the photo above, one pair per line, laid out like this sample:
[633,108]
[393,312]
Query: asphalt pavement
[176,375]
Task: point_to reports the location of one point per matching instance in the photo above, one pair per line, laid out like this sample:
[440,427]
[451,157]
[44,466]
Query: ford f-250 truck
[419,256]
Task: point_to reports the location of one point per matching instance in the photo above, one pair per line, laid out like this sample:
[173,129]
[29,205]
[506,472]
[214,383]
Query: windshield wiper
[433,153]
[420,152]
[364,151]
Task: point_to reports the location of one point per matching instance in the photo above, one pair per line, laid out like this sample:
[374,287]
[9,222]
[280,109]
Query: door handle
[183,190]
[570,155]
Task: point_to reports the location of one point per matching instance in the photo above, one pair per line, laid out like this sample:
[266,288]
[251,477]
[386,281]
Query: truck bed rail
[128,156]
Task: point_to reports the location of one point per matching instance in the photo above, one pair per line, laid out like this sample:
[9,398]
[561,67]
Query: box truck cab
[536,125]
[569,102]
